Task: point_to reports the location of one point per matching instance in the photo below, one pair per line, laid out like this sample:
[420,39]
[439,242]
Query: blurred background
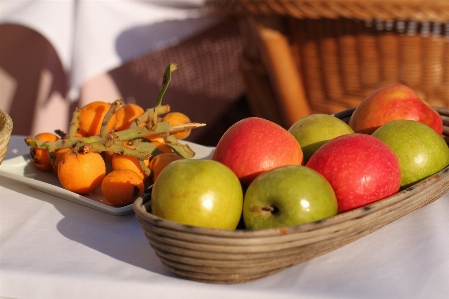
[57,55]
[280,60]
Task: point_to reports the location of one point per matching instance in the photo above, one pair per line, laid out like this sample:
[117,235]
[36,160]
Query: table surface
[53,248]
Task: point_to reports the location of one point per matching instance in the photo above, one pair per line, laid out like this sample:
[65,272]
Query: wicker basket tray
[220,256]
[323,56]
[5,133]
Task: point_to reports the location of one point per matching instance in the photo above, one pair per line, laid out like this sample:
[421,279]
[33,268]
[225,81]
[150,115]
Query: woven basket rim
[6,126]
[6,123]
[140,208]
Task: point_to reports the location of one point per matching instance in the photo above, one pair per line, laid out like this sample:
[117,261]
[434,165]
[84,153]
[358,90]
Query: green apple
[421,151]
[201,193]
[286,196]
[314,130]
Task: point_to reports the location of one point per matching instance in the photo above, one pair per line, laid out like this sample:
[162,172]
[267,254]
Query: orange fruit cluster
[85,172]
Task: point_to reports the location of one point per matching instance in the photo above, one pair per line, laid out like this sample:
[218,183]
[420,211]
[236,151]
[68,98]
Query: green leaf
[165,81]
[182,150]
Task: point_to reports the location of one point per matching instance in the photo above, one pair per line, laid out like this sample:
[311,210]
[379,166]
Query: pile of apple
[263,176]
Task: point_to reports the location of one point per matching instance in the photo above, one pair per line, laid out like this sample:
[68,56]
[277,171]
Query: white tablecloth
[53,248]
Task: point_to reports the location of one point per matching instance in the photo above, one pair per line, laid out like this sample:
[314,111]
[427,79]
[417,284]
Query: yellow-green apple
[420,150]
[201,193]
[315,130]
[286,196]
[360,168]
[393,102]
[254,145]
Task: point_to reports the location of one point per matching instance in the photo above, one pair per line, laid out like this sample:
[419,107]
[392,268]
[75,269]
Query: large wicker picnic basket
[323,56]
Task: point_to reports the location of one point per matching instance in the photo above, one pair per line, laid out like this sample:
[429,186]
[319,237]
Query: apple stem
[271,209]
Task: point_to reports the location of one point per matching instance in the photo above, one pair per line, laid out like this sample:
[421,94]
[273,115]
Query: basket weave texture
[221,256]
[312,56]
[5,133]
[418,10]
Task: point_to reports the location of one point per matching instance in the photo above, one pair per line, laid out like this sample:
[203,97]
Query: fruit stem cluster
[146,125]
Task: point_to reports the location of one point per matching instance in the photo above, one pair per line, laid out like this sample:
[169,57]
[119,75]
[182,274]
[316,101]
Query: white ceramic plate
[22,169]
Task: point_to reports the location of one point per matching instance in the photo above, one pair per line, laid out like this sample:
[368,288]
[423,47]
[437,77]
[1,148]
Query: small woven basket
[323,56]
[5,133]
[221,256]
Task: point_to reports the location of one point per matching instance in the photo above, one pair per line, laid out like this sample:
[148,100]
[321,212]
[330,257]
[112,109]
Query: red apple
[254,145]
[359,168]
[393,102]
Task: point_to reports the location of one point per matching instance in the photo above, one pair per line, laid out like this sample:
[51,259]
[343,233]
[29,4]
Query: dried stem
[75,124]
[107,117]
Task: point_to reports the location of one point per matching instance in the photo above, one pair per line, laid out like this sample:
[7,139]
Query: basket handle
[284,74]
